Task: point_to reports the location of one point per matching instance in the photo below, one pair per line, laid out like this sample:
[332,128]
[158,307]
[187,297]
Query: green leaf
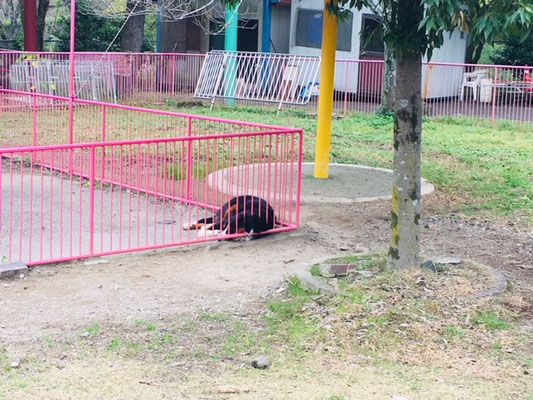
[524,36]
[423,22]
[430,24]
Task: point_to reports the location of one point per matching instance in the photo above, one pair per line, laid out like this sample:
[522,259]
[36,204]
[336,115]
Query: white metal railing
[264,77]
[94,80]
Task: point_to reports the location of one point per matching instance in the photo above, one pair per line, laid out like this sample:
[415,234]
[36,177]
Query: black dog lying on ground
[241,214]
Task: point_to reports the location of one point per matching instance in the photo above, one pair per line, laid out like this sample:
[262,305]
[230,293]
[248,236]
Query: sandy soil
[229,276]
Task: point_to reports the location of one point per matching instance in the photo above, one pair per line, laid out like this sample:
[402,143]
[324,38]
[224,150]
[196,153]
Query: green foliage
[453,332]
[419,26]
[213,317]
[286,314]
[150,327]
[11,31]
[94,329]
[489,167]
[240,341]
[93,32]
[491,320]
[114,345]
[361,262]
[490,20]
[514,52]
[48,340]
[315,270]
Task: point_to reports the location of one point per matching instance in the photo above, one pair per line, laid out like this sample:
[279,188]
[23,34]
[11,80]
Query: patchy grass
[491,320]
[315,270]
[486,169]
[404,334]
[360,262]
[94,329]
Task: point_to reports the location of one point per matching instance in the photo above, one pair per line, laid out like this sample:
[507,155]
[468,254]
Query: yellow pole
[325,99]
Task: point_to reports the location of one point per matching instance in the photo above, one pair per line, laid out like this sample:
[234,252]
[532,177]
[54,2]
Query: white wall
[280,29]
[340,82]
[445,81]
[436,81]
[308,51]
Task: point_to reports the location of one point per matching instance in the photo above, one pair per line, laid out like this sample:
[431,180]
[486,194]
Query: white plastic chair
[473,80]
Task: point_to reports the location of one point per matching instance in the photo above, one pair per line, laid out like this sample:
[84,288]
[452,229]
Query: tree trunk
[174,36]
[405,247]
[133,32]
[473,53]
[389,77]
[42,10]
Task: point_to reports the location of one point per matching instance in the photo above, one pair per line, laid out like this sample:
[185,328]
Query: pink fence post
[103,123]
[346,90]
[494,95]
[173,74]
[299,179]
[34,120]
[189,158]
[91,199]
[103,140]
[71,78]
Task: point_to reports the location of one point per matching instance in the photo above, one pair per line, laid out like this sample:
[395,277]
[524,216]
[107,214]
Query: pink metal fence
[140,77]
[128,178]
[501,92]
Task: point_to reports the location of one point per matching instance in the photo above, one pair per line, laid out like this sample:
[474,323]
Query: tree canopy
[93,33]
[492,20]
[485,21]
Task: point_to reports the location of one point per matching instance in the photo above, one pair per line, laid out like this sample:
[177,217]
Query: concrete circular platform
[346,183]
[349,183]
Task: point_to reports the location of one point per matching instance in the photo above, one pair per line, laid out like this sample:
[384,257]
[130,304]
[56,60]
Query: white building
[305,38]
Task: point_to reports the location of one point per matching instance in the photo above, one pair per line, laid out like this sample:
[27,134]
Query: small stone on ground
[429,264]
[333,270]
[365,274]
[227,389]
[261,362]
[446,260]
[96,262]
[11,269]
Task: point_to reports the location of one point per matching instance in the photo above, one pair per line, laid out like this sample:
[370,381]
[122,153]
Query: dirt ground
[64,299]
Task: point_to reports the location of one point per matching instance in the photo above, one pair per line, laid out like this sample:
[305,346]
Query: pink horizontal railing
[502,92]
[95,121]
[130,178]
[139,77]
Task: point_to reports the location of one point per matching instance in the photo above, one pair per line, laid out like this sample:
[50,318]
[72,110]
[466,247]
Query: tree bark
[133,32]
[405,248]
[174,36]
[389,78]
[42,10]
[473,53]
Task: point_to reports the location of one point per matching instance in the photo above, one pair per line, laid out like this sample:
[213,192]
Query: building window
[372,36]
[309,30]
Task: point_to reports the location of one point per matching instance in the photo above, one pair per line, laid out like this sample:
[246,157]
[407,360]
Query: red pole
[30,25]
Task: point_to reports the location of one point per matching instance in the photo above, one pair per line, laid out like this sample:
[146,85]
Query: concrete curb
[425,189]
[313,283]
[310,282]
[12,269]
[499,286]
[218,180]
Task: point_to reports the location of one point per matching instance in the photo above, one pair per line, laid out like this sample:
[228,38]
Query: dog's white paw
[205,233]
[187,226]
[212,232]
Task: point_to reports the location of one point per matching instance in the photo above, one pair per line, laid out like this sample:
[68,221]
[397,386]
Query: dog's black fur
[241,214]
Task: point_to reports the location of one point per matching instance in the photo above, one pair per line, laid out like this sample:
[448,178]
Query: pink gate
[129,178]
